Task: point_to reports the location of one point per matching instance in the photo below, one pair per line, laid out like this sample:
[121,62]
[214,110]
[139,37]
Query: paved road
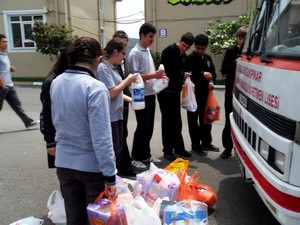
[26,182]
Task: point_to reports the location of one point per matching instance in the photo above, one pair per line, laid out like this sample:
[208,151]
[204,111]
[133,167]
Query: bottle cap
[161,67]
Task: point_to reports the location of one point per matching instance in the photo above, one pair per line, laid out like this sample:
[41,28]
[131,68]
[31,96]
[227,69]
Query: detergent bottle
[137,88]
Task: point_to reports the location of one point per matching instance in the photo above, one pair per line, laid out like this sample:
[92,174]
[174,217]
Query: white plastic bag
[188,99]
[139,212]
[56,205]
[160,84]
[28,221]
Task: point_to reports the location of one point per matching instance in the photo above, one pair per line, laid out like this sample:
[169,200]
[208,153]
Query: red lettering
[272,101]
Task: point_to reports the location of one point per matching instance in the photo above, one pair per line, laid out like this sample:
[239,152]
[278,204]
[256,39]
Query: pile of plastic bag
[157,196]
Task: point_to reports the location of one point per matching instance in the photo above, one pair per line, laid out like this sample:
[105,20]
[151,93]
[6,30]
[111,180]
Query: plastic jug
[137,88]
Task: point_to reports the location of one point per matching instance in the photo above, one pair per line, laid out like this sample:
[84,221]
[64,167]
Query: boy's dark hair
[120,34]
[147,28]
[241,32]
[188,38]
[201,39]
[2,36]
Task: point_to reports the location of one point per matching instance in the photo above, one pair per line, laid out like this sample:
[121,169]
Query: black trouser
[226,134]
[144,130]
[117,136]
[79,189]
[125,161]
[171,123]
[13,100]
[199,132]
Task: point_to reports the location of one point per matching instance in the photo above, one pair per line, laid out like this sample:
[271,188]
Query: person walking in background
[46,125]
[84,158]
[203,76]
[7,90]
[114,54]
[141,60]
[228,70]
[173,58]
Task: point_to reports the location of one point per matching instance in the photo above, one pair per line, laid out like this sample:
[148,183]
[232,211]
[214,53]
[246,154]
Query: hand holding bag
[188,99]
[106,212]
[212,109]
[160,84]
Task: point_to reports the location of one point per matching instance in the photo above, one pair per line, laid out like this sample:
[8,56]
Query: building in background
[172,18]
[86,18]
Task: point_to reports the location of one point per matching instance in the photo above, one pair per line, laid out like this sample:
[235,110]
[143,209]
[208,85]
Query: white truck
[265,122]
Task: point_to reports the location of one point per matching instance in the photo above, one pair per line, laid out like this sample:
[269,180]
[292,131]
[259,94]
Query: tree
[48,38]
[222,34]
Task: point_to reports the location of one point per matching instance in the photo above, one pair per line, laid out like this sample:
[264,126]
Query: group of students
[85,102]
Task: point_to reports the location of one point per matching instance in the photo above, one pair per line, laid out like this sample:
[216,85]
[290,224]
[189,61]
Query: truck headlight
[273,157]
[279,161]
[263,149]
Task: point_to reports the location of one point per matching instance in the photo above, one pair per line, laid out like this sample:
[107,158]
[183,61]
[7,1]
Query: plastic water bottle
[161,67]
[137,88]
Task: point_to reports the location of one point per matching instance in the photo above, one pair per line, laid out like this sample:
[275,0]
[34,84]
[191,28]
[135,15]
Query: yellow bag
[178,164]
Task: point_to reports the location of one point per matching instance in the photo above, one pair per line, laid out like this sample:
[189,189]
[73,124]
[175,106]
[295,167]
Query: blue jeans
[13,100]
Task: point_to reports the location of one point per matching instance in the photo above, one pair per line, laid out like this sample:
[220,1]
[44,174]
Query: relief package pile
[157,196]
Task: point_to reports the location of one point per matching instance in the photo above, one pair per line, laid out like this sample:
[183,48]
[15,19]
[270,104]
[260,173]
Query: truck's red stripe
[286,64]
[286,201]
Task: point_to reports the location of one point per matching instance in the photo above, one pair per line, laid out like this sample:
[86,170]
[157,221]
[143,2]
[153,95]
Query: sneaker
[32,124]
[183,153]
[211,148]
[152,159]
[226,154]
[138,165]
[170,156]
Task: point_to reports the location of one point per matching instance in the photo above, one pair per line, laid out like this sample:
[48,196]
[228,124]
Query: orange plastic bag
[106,212]
[212,109]
[178,164]
[190,189]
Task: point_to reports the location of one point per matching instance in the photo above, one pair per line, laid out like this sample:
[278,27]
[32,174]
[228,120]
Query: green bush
[48,38]
[222,33]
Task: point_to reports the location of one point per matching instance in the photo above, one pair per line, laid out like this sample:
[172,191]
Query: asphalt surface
[26,182]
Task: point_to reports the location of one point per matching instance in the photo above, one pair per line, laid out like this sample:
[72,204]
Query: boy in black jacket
[173,58]
[203,76]
[228,70]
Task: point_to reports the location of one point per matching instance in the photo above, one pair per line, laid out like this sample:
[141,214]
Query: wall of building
[172,18]
[84,18]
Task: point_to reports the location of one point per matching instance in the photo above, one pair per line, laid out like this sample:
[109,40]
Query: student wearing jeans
[7,89]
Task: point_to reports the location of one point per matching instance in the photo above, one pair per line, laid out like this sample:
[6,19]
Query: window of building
[18,26]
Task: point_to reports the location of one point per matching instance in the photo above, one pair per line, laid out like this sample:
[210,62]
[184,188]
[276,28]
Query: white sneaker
[154,160]
[33,124]
[138,165]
